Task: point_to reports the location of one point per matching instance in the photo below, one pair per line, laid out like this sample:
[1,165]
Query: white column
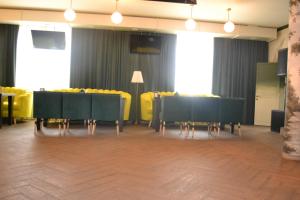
[291,132]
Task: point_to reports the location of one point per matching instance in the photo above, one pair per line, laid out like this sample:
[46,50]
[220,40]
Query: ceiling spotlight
[229,25]
[69,13]
[116,16]
[190,24]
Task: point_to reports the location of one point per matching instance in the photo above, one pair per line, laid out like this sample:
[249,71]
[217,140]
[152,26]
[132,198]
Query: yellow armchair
[146,106]
[22,108]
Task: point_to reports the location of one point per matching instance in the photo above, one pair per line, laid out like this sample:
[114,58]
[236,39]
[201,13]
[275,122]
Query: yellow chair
[146,106]
[22,108]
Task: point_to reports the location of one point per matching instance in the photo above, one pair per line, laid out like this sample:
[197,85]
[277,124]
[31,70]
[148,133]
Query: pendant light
[116,17]
[190,23]
[69,13]
[229,25]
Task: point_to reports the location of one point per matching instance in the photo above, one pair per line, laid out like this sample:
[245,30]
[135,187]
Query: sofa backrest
[47,105]
[176,108]
[106,107]
[205,109]
[76,106]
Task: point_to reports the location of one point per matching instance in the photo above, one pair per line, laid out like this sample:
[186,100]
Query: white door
[267,93]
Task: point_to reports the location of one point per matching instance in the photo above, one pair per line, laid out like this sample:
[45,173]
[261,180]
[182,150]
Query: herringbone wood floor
[141,165]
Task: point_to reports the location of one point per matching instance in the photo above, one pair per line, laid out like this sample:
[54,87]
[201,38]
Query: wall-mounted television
[178,1]
[282,62]
[48,39]
[145,44]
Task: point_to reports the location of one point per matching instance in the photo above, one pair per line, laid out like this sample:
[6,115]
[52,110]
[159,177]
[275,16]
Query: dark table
[10,97]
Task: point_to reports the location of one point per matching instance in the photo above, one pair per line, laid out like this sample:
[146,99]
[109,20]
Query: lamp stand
[136,103]
[137,78]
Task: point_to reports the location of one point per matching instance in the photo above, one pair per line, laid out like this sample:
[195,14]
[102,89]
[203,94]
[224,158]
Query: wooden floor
[141,165]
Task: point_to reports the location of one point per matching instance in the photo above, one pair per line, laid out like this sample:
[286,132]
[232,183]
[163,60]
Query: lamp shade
[190,24]
[116,17]
[137,77]
[229,27]
[70,14]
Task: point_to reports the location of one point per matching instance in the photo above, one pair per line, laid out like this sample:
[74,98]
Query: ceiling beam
[135,23]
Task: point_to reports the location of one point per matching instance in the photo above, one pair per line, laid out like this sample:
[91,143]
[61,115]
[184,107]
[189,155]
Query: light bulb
[116,17]
[190,24]
[70,14]
[229,27]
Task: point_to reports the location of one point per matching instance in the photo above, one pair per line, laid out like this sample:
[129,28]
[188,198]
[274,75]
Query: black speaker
[277,120]
[282,62]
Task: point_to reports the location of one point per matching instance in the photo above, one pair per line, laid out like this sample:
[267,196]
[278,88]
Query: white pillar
[291,132]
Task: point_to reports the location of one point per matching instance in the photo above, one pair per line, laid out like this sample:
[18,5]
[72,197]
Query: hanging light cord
[192,11]
[116,4]
[228,15]
[71,2]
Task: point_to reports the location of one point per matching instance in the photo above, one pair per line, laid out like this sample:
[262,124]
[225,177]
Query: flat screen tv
[145,44]
[48,39]
[178,1]
[282,62]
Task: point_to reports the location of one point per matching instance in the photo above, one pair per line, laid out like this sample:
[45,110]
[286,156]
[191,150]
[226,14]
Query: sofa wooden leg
[164,128]
[89,130]
[193,129]
[65,126]
[160,126]
[150,123]
[216,128]
[68,125]
[180,133]
[35,127]
[94,126]
[232,128]
[118,128]
[186,129]
[59,128]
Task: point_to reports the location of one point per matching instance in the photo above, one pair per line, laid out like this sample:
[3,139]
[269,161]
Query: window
[194,63]
[42,68]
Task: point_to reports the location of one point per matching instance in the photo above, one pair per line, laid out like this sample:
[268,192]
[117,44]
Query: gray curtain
[234,70]
[102,59]
[8,52]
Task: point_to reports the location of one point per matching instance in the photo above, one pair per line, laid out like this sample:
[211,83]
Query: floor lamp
[137,78]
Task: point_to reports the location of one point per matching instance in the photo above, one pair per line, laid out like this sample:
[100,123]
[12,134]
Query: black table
[10,97]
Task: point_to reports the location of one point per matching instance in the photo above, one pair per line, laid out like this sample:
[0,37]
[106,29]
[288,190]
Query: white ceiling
[266,13]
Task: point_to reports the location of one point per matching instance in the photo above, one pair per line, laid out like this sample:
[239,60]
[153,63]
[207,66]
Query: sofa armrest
[26,102]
